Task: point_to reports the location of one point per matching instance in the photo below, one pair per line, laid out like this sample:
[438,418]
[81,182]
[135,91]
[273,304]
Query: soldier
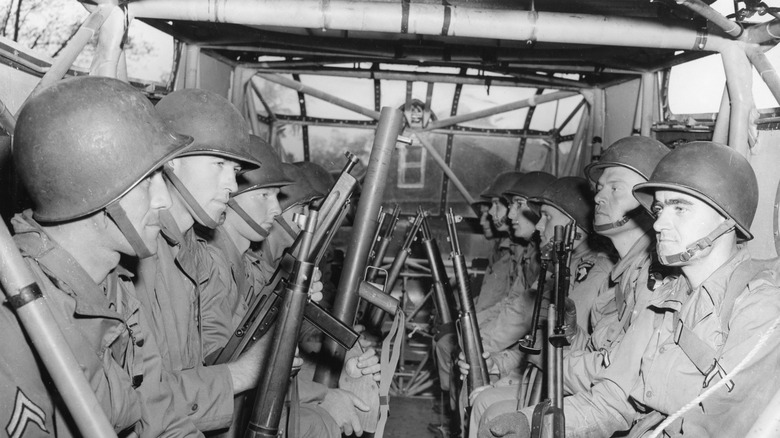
[698,327]
[89,152]
[172,284]
[567,199]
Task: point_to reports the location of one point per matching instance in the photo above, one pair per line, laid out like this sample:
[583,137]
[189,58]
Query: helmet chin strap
[699,245]
[624,220]
[119,216]
[285,226]
[198,211]
[248,219]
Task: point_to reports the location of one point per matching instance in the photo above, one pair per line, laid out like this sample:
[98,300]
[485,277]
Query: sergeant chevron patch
[25,411]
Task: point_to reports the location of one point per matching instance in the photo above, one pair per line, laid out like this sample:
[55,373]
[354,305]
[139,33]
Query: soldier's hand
[342,406]
[315,290]
[514,424]
[464,367]
[366,340]
[368,364]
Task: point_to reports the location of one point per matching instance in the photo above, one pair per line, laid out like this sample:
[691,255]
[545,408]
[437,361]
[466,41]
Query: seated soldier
[97,191]
[698,327]
[172,284]
[567,199]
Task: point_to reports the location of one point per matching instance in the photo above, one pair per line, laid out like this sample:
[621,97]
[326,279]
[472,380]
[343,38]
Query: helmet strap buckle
[698,246]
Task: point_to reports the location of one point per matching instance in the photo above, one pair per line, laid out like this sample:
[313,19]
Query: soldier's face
[498,212]
[210,180]
[550,217]
[143,204]
[680,221]
[484,220]
[262,206]
[522,218]
[279,239]
[614,198]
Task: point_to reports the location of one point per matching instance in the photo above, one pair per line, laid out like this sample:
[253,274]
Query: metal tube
[192,66]
[740,84]
[76,44]
[390,124]
[297,86]
[109,47]
[765,70]
[763,33]
[708,12]
[531,101]
[40,325]
[7,120]
[720,133]
[447,171]
[435,19]
[648,101]
[579,139]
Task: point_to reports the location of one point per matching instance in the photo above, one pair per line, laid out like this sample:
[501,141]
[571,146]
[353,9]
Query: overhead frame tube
[739,80]
[648,103]
[446,169]
[435,19]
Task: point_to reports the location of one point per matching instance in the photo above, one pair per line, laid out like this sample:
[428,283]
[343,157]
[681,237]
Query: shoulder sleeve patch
[583,269]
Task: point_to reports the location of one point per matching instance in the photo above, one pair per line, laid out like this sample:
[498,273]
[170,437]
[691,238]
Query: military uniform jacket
[589,269]
[611,315]
[169,287]
[651,372]
[499,275]
[108,335]
[502,324]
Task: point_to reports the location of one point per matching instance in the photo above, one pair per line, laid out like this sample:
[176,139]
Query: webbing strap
[119,216]
[198,211]
[699,245]
[248,219]
[285,226]
[700,353]
[619,223]
[388,363]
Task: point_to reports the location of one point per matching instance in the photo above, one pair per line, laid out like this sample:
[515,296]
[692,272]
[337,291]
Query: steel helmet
[83,143]
[530,185]
[318,176]
[572,196]
[716,174]
[300,191]
[270,175]
[637,153]
[215,124]
[500,184]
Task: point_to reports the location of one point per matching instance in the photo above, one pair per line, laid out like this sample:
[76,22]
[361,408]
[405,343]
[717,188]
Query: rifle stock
[469,330]
[383,242]
[272,389]
[528,343]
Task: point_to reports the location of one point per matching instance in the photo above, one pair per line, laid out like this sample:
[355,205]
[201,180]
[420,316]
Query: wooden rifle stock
[275,378]
[394,273]
[441,283]
[528,343]
[469,330]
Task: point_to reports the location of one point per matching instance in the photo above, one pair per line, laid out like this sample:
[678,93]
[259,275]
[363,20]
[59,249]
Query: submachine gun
[265,307]
[467,319]
[528,343]
[275,380]
[548,418]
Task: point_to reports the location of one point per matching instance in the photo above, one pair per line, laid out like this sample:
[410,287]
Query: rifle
[563,240]
[441,283]
[275,377]
[377,315]
[528,343]
[264,308]
[383,241]
[467,319]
